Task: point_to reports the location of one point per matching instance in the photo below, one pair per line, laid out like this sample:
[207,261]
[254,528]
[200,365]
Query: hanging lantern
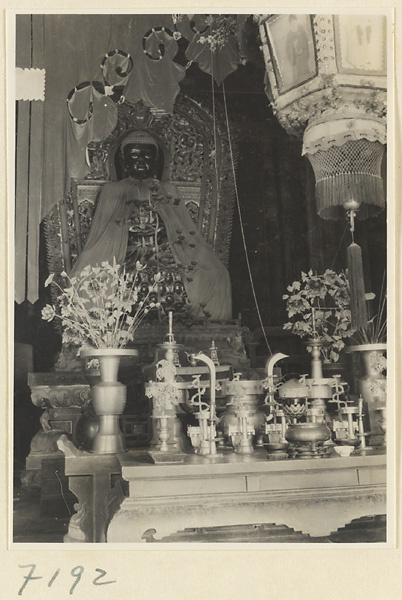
[347,166]
[326,80]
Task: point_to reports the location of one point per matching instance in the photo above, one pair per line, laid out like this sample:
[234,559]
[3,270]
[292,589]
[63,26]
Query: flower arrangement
[221,27]
[375,332]
[103,305]
[318,307]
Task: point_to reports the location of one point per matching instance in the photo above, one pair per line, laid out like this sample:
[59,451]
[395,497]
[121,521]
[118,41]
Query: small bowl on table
[344,451]
[277,449]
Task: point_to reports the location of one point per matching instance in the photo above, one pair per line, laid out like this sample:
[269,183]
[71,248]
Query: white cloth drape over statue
[208,289]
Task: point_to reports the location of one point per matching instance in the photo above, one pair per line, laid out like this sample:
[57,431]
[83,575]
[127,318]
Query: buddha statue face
[140,160]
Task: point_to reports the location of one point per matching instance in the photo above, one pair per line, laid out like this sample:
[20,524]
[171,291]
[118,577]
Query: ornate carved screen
[201,171]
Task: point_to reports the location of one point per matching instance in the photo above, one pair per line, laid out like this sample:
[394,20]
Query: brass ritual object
[297,418]
[275,427]
[299,414]
[242,420]
[203,437]
[166,396]
[348,426]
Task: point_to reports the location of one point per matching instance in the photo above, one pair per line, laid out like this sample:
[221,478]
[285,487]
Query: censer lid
[294,388]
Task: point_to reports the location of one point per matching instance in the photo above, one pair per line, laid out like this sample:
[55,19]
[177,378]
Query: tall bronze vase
[373,389]
[109,399]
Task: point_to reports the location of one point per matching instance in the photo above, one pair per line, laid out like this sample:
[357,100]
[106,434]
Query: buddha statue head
[140,155]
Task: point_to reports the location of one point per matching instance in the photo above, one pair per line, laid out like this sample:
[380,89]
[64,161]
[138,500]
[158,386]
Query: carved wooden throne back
[201,169]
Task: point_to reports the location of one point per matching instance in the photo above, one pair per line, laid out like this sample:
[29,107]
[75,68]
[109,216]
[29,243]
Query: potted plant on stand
[100,310]
[318,308]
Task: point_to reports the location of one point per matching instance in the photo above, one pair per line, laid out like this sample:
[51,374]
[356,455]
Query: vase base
[108,444]
[306,451]
[166,458]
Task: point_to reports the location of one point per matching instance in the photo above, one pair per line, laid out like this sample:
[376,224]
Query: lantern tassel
[358,306]
[332,191]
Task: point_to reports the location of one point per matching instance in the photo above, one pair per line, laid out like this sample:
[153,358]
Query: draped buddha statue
[140,218]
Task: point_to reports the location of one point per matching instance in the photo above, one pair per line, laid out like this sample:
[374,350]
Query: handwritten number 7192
[76,572]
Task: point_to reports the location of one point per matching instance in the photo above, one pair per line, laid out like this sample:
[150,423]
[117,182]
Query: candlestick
[362,436]
[170,323]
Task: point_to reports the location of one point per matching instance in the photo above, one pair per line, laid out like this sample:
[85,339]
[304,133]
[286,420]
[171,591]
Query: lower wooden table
[314,496]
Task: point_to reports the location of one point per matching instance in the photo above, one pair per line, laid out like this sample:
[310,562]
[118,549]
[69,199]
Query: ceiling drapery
[75,46]
[213,44]
[84,57]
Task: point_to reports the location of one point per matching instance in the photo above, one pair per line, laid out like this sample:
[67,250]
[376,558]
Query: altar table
[314,496]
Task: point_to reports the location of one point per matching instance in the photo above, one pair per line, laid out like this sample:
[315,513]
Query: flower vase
[372,384]
[373,387]
[109,399]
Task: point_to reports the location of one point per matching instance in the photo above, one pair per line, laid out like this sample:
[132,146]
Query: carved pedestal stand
[63,396]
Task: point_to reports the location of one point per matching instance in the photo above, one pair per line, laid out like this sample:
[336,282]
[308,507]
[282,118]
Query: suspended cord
[241,222]
[339,246]
[62,493]
[214,122]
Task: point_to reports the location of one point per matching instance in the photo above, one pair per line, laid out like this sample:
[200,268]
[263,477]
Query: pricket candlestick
[166,395]
[275,426]
[206,432]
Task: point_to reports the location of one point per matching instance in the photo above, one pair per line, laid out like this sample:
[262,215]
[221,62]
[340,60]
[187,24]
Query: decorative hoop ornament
[197,31]
[161,49]
[98,86]
[119,71]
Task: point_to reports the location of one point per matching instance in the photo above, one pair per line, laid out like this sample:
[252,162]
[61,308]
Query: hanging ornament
[153,42]
[358,308]
[116,68]
[74,98]
[327,81]
[346,156]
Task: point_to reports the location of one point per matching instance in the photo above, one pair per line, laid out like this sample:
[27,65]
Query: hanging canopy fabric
[219,62]
[154,78]
[93,116]
[336,132]
[75,48]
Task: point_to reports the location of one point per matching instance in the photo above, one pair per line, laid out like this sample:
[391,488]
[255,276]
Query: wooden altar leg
[97,502]
[80,528]
[90,479]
